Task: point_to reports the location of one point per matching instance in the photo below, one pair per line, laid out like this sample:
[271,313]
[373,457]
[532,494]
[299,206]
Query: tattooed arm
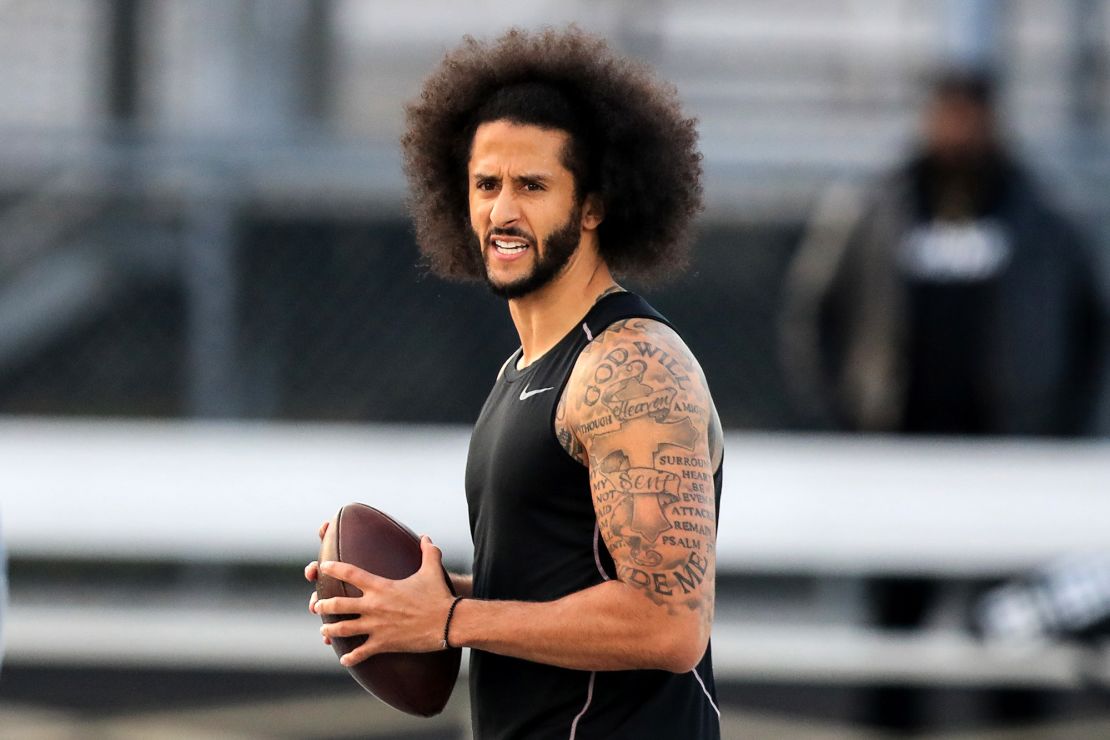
[638,413]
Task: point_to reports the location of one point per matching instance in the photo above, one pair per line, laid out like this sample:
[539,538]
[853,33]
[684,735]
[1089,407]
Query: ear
[593,212]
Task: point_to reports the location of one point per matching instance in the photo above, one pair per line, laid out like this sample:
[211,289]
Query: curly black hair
[630,144]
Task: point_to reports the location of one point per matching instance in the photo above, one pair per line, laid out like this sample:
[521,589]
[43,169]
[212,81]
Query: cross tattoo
[643,491]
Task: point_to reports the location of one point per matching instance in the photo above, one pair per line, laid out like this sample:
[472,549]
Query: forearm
[462,585]
[611,626]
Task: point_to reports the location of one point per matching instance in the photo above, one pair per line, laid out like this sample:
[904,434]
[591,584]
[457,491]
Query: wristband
[447,626]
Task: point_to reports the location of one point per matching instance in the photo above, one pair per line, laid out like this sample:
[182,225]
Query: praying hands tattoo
[637,412]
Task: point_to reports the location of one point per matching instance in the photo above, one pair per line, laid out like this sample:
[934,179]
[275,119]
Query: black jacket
[844,324]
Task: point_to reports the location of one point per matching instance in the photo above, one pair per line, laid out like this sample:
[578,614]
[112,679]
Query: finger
[344,628]
[339,605]
[312,602]
[324,528]
[432,555]
[359,654]
[311,571]
[327,640]
[351,574]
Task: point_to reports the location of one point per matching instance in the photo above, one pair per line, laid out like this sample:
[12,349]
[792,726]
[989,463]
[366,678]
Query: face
[523,207]
[958,129]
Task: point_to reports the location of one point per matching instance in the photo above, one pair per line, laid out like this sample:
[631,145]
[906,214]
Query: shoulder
[637,369]
[632,347]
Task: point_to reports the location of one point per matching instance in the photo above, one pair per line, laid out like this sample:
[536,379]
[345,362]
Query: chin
[510,289]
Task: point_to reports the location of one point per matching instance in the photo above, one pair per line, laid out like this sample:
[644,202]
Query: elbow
[685,649]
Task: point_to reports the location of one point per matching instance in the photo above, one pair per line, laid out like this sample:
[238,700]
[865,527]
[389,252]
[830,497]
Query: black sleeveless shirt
[536,539]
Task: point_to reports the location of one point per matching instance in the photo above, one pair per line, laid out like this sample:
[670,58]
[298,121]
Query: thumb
[432,556]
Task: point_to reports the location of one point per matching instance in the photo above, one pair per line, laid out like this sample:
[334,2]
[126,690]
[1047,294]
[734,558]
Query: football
[416,683]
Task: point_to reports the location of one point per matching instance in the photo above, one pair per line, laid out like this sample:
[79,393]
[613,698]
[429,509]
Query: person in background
[947,298]
[950,297]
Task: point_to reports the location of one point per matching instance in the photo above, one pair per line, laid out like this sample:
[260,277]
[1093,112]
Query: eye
[533,187]
[486,185]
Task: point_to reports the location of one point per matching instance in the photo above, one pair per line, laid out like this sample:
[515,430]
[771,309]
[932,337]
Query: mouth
[508,248]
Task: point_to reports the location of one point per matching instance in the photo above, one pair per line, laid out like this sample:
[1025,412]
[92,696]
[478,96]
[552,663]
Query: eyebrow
[543,177]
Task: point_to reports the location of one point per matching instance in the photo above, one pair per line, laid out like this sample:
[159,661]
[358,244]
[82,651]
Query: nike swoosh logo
[526,394]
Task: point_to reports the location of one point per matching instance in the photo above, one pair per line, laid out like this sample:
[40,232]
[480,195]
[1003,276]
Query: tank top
[536,539]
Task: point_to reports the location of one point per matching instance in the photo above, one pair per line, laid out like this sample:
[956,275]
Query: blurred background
[214,332]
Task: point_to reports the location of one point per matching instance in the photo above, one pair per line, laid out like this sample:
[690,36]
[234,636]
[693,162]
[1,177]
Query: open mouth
[509,246]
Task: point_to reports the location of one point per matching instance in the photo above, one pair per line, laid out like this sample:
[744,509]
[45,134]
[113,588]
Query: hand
[405,616]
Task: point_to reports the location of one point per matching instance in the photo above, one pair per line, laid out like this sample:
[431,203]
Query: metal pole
[123,60]
[210,282]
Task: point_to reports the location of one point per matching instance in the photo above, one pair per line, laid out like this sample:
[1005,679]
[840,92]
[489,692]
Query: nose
[506,209]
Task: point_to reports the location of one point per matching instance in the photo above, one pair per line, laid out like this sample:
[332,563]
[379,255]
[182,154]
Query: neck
[545,316]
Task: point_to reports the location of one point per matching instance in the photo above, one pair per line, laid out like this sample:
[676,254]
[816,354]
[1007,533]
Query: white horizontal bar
[816,504]
[250,637]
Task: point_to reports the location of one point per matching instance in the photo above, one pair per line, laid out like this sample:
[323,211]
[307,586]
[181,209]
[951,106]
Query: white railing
[232,493]
[235,492]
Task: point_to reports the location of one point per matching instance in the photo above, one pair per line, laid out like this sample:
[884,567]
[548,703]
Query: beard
[559,246]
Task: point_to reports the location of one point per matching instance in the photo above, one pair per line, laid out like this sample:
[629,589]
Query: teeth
[509,247]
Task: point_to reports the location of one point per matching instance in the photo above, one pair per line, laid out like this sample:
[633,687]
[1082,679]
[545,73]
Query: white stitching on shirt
[707,696]
[589,698]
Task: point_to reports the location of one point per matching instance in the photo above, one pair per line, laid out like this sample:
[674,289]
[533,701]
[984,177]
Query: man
[948,299]
[951,298]
[541,164]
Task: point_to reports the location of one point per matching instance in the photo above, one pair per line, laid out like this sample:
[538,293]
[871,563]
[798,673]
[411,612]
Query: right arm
[810,307]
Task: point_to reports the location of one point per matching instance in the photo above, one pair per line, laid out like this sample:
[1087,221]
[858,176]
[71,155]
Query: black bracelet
[447,625]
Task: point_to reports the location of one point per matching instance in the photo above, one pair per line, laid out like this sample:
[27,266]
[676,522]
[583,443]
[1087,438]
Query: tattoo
[638,412]
[568,439]
[614,288]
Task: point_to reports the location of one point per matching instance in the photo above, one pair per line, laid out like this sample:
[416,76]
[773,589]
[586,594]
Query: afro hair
[631,145]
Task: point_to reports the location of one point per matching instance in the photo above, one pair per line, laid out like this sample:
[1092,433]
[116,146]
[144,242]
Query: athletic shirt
[536,539]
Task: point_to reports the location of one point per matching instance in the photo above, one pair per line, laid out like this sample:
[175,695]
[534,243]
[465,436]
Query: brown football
[416,683]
